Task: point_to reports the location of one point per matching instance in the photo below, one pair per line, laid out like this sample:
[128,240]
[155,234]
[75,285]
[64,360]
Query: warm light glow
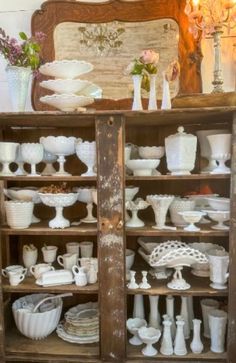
[195,2]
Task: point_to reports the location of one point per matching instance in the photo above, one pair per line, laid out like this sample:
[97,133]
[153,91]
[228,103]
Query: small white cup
[13,268]
[72,247]
[86,249]
[68,260]
[15,278]
[40,268]
[49,253]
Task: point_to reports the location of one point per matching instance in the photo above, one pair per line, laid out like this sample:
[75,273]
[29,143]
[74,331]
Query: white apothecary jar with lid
[181,152]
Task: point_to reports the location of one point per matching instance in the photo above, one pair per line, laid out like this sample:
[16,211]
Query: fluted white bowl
[68,86]
[58,200]
[65,68]
[219,203]
[151,152]
[67,102]
[32,153]
[59,145]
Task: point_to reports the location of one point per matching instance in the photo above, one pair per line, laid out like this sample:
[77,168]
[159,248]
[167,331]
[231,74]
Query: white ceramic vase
[179,344]
[170,312]
[138,310]
[152,102]
[160,205]
[167,344]
[137,101]
[18,82]
[217,324]
[154,315]
[7,156]
[184,314]
[219,264]
[221,151]
[207,306]
[86,152]
[19,214]
[190,311]
[196,344]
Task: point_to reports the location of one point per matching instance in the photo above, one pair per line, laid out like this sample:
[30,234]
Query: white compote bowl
[134,207]
[130,192]
[85,196]
[60,146]
[86,152]
[27,194]
[65,69]
[133,325]
[68,86]
[192,217]
[160,205]
[149,336]
[220,217]
[142,167]
[152,152]
[59,201]
[20,163]
[67,102]
[219,203]
[8,152]
[221,151]
[32,153]
[49,159]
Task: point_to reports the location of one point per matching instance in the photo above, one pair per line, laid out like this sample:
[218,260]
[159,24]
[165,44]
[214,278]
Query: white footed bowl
[67,86]
[219,203]
[65,68]
[59,145]
[67,102]
[58,200]
[151,152]
[32,153]
[19,214]
[142,167]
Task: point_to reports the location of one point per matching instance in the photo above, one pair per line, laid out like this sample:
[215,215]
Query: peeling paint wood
[111,237]
[232,256]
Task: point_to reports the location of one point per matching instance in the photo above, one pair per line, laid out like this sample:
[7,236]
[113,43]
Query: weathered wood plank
[111,237]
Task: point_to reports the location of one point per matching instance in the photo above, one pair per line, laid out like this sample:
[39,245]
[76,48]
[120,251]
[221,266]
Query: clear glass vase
[18,82]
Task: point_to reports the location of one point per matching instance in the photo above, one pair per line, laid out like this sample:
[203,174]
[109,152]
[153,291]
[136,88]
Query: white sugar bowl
[181,152]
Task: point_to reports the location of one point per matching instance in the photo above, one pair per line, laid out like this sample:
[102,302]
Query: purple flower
[40,36]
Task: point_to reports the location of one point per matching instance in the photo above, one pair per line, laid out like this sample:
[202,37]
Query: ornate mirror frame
[54,12]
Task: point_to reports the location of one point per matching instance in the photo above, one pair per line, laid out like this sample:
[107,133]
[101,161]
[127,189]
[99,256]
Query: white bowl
[180,205]
[142,167]
[59,145]
[67,102]
[66,68]
[27,194]
[37,325]
[85,194]
[129,258]
[19,214]
[58,200]
[219,203]
[151,152]
[192,216]
[32,153]
[66,86]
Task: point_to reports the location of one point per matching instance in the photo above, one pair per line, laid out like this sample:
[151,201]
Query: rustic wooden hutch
[111,130]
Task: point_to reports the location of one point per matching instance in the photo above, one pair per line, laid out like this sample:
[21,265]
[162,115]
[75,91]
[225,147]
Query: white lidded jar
[181,152]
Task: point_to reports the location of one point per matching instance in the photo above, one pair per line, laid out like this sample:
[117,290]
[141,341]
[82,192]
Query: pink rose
[149,56]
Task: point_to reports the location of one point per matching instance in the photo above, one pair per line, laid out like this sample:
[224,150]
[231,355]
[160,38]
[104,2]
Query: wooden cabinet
[111,130]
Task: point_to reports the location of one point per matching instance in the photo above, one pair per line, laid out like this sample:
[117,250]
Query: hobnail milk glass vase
[137,102]
[18,82]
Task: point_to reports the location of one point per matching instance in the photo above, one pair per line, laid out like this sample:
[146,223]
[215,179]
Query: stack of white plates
[81,324]
[71,94]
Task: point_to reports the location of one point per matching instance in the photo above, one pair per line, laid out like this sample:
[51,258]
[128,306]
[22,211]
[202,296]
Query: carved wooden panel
[55,12]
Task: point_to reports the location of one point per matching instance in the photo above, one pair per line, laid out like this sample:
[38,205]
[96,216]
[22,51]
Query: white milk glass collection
[176,334]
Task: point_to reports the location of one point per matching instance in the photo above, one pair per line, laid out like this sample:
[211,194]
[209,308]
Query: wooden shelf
[29,285]
[20,348]
[50,178]
[199,287]
[43,229]
[134,352]
[196,177]
[147,230]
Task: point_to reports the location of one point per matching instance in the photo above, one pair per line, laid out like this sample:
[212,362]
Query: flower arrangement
[24,54]
[144,66]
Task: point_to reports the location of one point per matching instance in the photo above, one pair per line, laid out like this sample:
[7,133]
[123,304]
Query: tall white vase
[137,101]
[184,314]
[170,312]
[179,345]
[190,311]
[166,100]
[18,82]
[217,323]
[152,103]
[207,306]
[138,311]
[167,344]
[196,344]
[154,316]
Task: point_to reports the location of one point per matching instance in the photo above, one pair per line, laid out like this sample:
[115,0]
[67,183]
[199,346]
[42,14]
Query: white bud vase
[152,103]
[190,311]
[166,100]
[138,311]
[166,344]
[18,82]
[196,345]
[180,346]
[217,323]
[154,316]
[170,312]
[184,314]
[137,101]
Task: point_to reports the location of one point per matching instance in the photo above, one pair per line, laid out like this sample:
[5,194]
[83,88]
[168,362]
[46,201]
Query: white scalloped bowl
[142,167]
[59,199]
[67,102]
[219,203]
[66,86]
[65,69]
[59,145]
[151,152]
